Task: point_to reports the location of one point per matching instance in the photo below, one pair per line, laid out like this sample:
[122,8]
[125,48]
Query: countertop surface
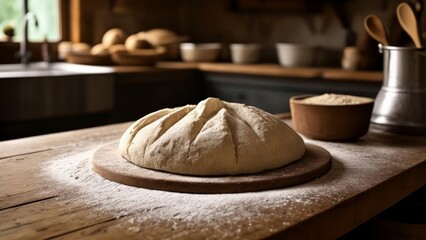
[48,189]
[275,70]
[263,69]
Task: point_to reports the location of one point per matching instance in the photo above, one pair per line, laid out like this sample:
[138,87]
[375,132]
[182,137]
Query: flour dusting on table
[221,212]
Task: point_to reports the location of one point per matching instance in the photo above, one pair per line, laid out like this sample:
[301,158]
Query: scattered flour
[336,99]
[226,214]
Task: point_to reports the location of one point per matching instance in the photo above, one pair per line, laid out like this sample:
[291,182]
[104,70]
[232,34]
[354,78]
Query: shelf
[279,71]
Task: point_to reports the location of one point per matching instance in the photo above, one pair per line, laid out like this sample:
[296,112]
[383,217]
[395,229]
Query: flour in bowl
[336,99]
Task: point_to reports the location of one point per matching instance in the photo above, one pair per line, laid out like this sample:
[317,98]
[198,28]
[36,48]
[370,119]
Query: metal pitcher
[400,105]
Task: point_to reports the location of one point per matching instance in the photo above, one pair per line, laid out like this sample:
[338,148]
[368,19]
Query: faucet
[23,50]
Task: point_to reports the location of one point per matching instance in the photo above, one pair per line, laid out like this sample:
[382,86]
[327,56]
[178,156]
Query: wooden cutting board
[108,163]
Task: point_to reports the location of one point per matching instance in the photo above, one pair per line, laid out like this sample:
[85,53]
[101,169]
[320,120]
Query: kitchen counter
[275,70]
[49,190]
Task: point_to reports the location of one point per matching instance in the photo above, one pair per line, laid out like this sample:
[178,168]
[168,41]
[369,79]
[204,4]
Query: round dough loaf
[212,138]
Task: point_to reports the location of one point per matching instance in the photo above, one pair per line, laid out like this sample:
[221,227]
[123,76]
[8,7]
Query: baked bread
[99,49]
[159,36]
[80,48]
[64,48]
[113,36]
[134,42]
[212,138]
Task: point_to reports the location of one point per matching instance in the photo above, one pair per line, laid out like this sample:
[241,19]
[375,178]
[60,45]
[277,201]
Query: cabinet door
[272,94]
[269,94]
[137,94]
[268,99]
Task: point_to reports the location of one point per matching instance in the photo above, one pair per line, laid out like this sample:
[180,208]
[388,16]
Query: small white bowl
[244,53]
[202,52]
[296,55]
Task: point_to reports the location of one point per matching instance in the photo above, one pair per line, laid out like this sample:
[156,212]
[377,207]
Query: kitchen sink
[43,69]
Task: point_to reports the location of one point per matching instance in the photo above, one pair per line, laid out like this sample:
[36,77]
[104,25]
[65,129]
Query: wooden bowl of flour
[331,117]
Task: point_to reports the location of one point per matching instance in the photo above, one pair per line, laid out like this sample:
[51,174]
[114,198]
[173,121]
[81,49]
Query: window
[46,11]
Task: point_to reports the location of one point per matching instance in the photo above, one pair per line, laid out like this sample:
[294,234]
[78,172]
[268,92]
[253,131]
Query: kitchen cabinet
[139,91]
[270,86]
[67,100]
[272,93]
[39,98]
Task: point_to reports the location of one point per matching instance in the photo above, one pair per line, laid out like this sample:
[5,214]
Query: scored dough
[212,138]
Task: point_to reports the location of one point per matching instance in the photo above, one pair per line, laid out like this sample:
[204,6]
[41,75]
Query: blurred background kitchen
[53,94]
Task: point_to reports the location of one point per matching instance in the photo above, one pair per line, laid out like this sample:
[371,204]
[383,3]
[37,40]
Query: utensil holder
[400,105]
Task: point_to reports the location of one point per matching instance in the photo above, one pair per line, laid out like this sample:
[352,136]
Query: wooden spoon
[376,29]
[408,22]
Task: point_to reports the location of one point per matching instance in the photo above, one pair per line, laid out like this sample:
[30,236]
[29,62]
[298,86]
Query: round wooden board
[108,163]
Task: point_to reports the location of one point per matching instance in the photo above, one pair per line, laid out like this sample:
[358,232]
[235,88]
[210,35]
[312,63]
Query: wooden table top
[48,189]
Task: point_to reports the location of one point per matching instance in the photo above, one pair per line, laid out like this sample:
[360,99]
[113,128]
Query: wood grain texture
[51,96]
[367,176]
[108,163]
[342,75]
[276,70]
[262,69]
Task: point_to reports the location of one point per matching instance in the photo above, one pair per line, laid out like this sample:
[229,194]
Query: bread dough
[212,138]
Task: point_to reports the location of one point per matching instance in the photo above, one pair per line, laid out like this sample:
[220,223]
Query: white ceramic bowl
[244,53]
[202,52]
[296,55]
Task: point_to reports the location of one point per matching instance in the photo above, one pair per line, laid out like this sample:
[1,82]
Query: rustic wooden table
[48,189]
